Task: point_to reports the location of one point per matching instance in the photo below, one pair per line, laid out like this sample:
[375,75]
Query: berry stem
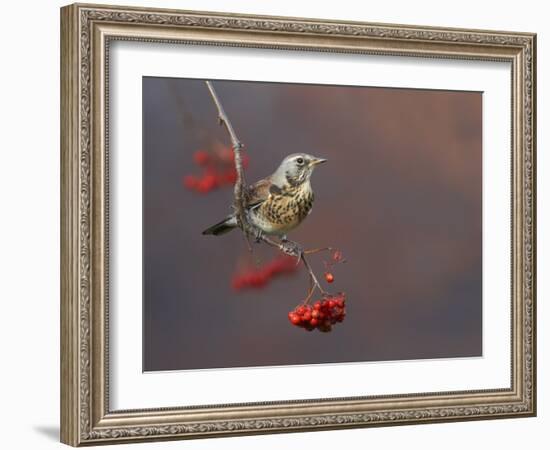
[318,250]
[310,292]
[312,277]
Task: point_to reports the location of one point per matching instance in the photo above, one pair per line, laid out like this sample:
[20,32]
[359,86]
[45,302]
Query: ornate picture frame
[87,31]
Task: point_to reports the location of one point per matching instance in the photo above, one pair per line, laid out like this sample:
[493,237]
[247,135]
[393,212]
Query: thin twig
[312,276]
[310,292]
[318,250]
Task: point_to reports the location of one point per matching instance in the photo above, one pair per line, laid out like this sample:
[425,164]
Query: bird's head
[296,169]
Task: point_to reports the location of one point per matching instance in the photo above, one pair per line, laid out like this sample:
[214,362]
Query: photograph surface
[381,188]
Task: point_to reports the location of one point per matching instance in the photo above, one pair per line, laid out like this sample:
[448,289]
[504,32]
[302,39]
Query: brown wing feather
[258,192]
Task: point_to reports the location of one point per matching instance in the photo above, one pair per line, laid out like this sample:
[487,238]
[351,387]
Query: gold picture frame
[86,33]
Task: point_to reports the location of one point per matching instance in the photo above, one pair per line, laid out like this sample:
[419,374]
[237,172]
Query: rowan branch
[239,203]
[240,184]
[240,190]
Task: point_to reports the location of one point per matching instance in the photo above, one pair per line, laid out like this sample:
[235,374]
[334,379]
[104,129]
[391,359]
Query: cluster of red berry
[218,169]
[259,277]
[322,315]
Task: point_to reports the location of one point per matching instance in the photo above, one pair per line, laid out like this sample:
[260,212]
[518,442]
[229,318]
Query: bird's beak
[318,161]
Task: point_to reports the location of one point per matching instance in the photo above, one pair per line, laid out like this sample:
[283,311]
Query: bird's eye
[300,161]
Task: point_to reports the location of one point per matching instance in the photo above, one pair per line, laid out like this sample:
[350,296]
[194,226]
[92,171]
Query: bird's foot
[258,235]
[291,248]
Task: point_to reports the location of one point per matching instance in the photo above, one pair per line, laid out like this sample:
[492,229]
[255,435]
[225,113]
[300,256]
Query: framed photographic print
[276,225]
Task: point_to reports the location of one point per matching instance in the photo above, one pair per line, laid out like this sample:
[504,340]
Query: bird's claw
[258,235]
[292,248]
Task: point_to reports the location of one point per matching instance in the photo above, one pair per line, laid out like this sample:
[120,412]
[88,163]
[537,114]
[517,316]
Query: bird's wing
[258,192]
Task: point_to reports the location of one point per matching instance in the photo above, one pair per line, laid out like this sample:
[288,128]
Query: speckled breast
[282,212]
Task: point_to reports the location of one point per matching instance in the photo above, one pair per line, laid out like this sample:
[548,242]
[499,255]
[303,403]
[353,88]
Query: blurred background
[400,196]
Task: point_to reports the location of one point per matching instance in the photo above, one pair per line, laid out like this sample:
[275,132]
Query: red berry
[329,277]
[206,183]
[294,318]
[203,188]
[331,304]
[307,316]
[211,179]
[313,322]
[226,154]
[259,280]
[230,177]
[201,157]
[231,154]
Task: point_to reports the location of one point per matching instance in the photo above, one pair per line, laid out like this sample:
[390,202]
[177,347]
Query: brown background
[400,195]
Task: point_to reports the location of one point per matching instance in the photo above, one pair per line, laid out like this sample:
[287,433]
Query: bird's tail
[225,226]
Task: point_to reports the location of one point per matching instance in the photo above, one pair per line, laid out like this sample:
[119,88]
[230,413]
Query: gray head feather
[295,169]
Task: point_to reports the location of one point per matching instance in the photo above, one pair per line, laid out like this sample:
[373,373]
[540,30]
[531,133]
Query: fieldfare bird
[279,203]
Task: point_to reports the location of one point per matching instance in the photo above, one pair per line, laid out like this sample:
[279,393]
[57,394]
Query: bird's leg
[258,235]
[291,248]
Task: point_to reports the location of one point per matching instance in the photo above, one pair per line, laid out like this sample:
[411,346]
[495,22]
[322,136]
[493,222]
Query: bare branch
[240,190]
[240,183]
[240,193]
